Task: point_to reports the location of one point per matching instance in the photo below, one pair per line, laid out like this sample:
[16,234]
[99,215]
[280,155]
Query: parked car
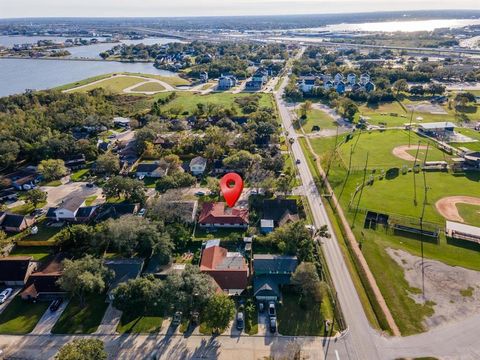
[271,309]
[273,325]
[200,193]
[38,212]
[90,185]
[195,318]
[177,318]
[240,321]
[5,294]
[141,212]
[56,305]
[297,161]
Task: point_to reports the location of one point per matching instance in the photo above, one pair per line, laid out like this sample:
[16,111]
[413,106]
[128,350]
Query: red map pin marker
[231,185]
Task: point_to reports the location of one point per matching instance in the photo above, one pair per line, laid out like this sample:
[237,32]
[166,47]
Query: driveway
[110,321]
[49,318]
[58,193]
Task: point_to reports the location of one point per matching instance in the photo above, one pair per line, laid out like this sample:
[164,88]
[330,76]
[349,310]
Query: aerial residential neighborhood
[274,186]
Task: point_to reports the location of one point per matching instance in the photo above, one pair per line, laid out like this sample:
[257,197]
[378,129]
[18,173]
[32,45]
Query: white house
[308,83]
[68,209]
[198,165]
[338,77]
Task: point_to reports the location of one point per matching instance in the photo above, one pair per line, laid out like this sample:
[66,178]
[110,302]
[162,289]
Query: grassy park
[318,118]
[149,87]
[394,194]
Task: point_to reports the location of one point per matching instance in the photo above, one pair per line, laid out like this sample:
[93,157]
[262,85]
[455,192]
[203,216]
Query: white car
[5,294]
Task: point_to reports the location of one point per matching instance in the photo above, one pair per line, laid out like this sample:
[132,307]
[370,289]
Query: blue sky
[40,8]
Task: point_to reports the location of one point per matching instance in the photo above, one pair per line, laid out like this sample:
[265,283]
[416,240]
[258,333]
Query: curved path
[447,206]
[167,86]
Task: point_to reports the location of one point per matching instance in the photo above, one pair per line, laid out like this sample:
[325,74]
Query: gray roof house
[155,169]
[198,165]
[270,273]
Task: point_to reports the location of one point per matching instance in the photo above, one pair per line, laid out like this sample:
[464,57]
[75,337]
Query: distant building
[369,86]
[340,87]
[198,165]
[351,79]
[218,215]
[338,78]
[76,162]
[228,269]
[437,129]
[280,211]
[328,85]
[226,82]
[462,231]
[364,78]
[308,83]
[204,76]
[121,122]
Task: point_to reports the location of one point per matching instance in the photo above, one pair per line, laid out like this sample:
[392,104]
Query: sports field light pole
[421,221]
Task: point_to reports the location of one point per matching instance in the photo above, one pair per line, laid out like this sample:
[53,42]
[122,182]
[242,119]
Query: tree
[130,234]
[400,85]
[3,239]
[35,197]
[306,279]
[305,108]
[9,151]
[240,160]
[80,239]
[52,169]
[294,239]
[108,163]
[132,189]
[347,108]
[84,276]
[189,290]
[82,349]
[175,181]
[218,312]
[213,184]
[138,296]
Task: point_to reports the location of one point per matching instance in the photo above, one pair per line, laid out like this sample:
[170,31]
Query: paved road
[359,342]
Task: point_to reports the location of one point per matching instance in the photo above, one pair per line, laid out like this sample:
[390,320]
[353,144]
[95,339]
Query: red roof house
[218,215]
[228,269]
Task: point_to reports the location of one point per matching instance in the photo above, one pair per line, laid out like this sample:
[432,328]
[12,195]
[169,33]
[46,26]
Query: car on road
[297,161]
[90,185]
[5,294]
[56,304]
[273,325]
[291,140]
[271,310]
[240,321]
[177,318]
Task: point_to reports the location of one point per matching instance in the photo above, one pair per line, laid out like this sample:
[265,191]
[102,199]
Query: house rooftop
[198,161]
[218,258]
[72,204]
[437,125]
[274,264]
[14,268]
[220,213]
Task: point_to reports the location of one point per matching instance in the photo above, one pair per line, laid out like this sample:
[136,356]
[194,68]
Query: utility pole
[361,191]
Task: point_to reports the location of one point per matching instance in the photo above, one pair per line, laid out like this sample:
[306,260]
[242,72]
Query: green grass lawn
[150,86]
[384,113]
[379,146]
[172,80]
[140,324]
[78,320]
[317,118]
[297,320]
[80,174]
[89,200]
[52,183]
[39,253]
[27,208]
[187,101]
[115,85]
[20,317]
[45,233]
